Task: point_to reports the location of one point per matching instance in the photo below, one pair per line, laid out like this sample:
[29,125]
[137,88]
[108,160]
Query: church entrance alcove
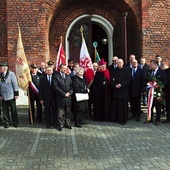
[93,32]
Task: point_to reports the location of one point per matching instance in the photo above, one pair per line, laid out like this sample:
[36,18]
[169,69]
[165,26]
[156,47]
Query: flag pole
[81,30]
[30,110]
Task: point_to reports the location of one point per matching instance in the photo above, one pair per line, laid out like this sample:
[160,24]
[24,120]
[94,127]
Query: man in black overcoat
[47,98]
[120,80]
[62,84]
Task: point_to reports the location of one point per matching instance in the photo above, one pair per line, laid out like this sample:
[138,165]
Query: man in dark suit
[63,88]
[159,59]
[47,98]
[33,93]
[167,93]
[135,89]
[131,58]
[113,65]
[145,69]
[161,76]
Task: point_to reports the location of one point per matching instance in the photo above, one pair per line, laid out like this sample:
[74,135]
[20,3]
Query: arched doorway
[96,28]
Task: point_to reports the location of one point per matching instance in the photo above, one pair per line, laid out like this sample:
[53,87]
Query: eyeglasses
[114,60]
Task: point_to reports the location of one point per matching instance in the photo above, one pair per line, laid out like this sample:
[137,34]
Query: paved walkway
[96,146]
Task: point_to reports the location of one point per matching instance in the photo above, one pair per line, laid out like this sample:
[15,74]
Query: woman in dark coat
[79,86]
[101,93]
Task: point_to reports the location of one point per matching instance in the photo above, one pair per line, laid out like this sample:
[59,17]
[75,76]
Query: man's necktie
[153,73]
[49,80]
[133,73]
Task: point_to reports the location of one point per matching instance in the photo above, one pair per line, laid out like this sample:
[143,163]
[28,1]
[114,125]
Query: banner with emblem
[22,68]
[85,61]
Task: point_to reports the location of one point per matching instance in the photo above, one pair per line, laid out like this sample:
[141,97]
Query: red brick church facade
[144,32]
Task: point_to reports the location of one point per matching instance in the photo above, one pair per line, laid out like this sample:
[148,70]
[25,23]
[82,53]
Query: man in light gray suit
[8,94]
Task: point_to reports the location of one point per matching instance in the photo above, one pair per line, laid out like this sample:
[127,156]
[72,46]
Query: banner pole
[30,110]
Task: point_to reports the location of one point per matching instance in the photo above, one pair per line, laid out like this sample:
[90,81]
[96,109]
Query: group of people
[112,89]
[127,84]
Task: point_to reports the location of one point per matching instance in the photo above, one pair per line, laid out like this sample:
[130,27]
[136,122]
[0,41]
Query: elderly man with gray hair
[8,94]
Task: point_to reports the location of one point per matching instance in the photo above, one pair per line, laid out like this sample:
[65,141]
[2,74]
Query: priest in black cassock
[101,93]
[120,80]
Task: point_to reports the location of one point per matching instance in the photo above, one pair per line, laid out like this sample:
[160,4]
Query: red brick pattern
[43,22]
[3,31]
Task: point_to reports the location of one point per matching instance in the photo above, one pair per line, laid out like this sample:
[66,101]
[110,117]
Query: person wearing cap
[33,93]
[62,84]
[41,69]
[160,75]
[120,80]
[51,64]
[9,92]
[101,93]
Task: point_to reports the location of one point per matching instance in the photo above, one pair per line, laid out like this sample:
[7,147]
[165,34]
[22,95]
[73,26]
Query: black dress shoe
[123,123]
[77,125]
[16,126]
[59,128]
[83,123]
[166,121]
[132,117]
[157,123]
[6,126]
[68,126]
[138,120]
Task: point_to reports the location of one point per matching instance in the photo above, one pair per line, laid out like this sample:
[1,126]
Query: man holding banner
[33,92]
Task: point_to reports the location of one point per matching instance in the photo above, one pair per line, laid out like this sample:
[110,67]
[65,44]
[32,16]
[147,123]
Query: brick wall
[3,31]
[42,23]
[155,28]
[31,17]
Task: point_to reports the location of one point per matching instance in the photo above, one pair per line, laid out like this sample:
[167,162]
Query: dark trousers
[63,116]
[79,117]
[39,108]
[51,116]
[135,103]
[0,110]
[158,110]
[5,109]
[168,107]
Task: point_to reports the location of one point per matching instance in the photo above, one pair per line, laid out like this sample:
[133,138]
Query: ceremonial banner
[86,63]
[22,68]
[61,58]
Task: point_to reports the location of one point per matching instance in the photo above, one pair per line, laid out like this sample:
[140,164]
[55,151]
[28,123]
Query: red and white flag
[61,58]
[86,63]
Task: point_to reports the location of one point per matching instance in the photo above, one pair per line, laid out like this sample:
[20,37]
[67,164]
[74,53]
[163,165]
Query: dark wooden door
[75,39]
[119,38]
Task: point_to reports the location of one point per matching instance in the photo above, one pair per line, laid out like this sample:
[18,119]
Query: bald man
[120,80]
